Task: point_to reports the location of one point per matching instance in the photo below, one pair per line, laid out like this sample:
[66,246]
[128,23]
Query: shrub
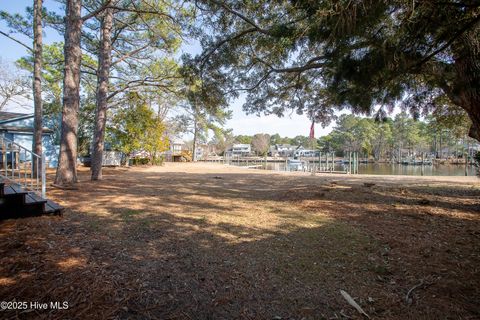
[476,159]
[140,161]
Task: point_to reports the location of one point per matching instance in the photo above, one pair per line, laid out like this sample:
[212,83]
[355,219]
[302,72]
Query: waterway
[397,169]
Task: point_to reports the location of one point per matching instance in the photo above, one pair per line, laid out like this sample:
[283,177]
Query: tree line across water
[311,57]
[390,139]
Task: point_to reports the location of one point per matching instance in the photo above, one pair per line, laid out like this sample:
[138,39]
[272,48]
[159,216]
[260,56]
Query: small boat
[422,163]
[295,165]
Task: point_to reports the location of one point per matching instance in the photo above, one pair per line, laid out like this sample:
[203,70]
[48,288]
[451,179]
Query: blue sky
[11,51]
[240,123]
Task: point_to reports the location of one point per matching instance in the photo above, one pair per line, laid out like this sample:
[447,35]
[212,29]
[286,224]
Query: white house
[301,152]
[177,149]
[240,149]
[283,150]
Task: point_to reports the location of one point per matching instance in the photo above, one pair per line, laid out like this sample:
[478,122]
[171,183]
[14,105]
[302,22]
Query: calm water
[398,169]
[434,170]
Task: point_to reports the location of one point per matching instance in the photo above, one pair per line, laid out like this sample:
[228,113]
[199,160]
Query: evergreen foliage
[365,56]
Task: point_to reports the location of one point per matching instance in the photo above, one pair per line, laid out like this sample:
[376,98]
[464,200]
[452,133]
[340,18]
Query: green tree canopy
[243,139]
[353,134]
[136,127]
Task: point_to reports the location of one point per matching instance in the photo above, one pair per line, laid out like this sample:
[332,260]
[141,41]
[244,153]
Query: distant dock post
[352,159]
[319,160]
[349,162]
[325,163]
[333,162]
[354,162]
[423,162]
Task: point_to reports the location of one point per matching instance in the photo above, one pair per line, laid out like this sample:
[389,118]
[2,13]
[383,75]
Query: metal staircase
[23,182]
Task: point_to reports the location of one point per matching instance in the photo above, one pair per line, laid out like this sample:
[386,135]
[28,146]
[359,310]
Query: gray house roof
[13,116]
[21,129]
[7,125]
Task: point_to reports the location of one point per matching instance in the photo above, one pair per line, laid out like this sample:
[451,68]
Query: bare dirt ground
[205,241]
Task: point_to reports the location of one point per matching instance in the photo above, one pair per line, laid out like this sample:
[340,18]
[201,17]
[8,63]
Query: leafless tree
[14,87]
[261,143]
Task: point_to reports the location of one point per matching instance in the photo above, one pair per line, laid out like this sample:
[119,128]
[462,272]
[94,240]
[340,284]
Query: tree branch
[222,42]
[308,66]
[265,76]
[95,12]
[241,16]
[448,43]
[129,54]
[145,12]
[139,83]
[17,41]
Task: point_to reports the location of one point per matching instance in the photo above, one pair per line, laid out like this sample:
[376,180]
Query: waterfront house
[282,150]
[178,151]
[205,151]
[239,149]
[301,152]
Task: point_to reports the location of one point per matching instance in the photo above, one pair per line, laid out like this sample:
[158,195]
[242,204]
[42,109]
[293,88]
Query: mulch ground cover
[211,242]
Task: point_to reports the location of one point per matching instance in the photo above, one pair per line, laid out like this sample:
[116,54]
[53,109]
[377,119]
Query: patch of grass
[93,225]
[146,223]
[129,214]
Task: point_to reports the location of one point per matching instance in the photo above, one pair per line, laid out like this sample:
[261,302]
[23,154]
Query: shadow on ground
[171,245]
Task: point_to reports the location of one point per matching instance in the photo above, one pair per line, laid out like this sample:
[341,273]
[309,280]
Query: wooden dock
[333,171]
[254,166]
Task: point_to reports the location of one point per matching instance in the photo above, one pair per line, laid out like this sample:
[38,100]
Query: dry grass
[210,242]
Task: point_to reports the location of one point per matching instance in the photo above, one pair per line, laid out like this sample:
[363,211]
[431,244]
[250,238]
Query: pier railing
[321,163]
[22,166]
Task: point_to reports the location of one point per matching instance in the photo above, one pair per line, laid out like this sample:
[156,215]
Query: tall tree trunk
[37,81]
[67,160]
[195,137]
[467,82]
[103,73]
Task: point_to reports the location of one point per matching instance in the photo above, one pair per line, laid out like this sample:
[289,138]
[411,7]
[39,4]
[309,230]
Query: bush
[476,159]
[140,161]
[144,161]
[158,161]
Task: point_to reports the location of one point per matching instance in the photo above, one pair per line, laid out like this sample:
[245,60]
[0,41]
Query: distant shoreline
[207,167]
